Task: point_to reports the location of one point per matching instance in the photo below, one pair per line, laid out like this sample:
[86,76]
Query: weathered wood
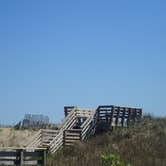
[79,124]
[13,156]
[21,158]
[44,161]
[112,116]
[71,136]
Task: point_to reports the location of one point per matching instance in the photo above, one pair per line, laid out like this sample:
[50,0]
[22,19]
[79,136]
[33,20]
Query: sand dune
[11,137]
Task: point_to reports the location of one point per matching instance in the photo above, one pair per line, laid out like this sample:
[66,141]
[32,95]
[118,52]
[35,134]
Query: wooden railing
[67,135]
[23,156]
[42,138]
[115,116]
[71,136]
[79,124]
[87,129]
[54,139]
[47,136]
[35,141]
[69,122]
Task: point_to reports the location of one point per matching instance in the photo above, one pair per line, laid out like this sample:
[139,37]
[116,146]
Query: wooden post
[117,116]
[80,135]
[123,116]
[21,160]
[129,117]
[111,116]
[18,157]
[44,158]
[64,137]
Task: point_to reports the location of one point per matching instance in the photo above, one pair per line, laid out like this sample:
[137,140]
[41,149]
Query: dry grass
[11,137]
[143,144]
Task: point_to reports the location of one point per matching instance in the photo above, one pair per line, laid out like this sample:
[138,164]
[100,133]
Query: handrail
[21,148]
[35,138]
[58,140]
[53,139]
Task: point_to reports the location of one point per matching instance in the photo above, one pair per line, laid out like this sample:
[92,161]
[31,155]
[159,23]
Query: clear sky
[84,53]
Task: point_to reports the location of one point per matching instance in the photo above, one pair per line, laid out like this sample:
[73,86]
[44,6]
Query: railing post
[21,162]
[44,158]
[64,137]
[81,135]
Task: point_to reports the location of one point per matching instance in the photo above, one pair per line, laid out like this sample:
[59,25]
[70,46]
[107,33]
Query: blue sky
[85,53]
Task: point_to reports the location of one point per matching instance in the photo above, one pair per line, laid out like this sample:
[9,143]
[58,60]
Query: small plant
[112,160]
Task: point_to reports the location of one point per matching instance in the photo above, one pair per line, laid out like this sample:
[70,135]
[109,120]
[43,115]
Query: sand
[17,138]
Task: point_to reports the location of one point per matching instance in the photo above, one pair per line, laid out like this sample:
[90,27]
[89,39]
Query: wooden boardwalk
[112,116]
[79,124]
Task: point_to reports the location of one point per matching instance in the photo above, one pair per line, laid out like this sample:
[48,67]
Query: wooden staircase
[71,130]
[80,124]
[42,138]
[68,133]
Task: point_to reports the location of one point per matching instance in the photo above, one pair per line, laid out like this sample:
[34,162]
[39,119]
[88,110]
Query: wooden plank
[44,161]
[7,162]
[33,154]
[20,148]
[73,130]
[22,156]
[11,154]
[32,162]
[50,131]
[72,138]
[71,141]
[7,159]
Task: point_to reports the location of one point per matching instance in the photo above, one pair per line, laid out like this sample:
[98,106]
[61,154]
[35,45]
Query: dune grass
[143,144]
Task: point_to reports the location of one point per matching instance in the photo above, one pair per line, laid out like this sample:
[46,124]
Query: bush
[112,160]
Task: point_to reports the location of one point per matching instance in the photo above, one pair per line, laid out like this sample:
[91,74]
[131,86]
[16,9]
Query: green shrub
[112,160]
